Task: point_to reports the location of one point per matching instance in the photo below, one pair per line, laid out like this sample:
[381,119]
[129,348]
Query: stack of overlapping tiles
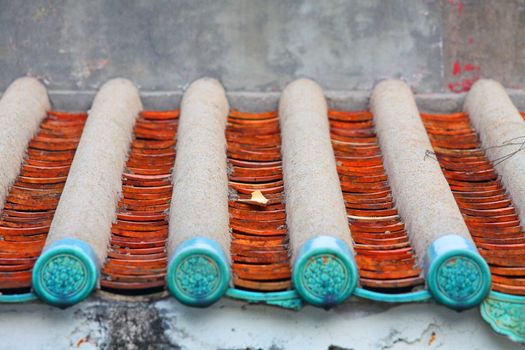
[483,200]
[259,248]
[384,256]
[33,198]
[137,256]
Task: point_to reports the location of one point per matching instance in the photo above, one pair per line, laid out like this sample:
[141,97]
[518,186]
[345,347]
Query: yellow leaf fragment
[257,199]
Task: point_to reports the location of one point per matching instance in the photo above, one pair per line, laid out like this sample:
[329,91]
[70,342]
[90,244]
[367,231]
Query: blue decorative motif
[198,272]
[459,278]
[506,315]
[288,299]
[63,275]
[325,276]
[66,272]
[324,272]
[197,276]
[293,304]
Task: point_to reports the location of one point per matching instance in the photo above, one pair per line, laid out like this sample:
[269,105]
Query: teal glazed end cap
[198,273]
[66,272]
[324,272]
[456,274]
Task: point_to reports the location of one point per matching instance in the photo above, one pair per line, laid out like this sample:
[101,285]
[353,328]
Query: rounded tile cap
[199,273]
[456,274]
[324,272]
[65,273]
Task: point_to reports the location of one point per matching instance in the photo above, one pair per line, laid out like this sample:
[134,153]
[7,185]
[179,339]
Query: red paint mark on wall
[456,68]
[466,75]
[459,5]
[469,67]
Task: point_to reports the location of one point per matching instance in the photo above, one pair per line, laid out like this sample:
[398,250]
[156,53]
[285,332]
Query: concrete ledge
[69,100]
[159,322]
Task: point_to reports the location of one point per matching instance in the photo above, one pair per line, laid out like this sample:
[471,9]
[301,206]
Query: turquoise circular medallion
[456,274]
[65,273]
[459,278]
[198,272]
[325,277]
[197,276]
[324,272]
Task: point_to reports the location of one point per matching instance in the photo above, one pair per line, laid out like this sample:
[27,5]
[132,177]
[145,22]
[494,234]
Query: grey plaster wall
[162,323]
[251,45]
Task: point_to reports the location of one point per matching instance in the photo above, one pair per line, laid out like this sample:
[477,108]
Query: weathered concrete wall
[166,324]
[483,38]
[262,45]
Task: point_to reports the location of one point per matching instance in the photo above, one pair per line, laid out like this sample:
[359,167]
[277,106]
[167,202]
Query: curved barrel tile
[490,216]
[29,207]
[324,271]
[137,258]
[23,106]
[68,269]
[383,253]
[501,130]
[456,274]
[199,237]
[483,200]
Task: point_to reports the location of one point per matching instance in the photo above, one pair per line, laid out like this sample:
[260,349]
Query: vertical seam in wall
[442,58]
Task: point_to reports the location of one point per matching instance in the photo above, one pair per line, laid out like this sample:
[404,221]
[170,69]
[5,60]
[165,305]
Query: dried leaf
[257,199]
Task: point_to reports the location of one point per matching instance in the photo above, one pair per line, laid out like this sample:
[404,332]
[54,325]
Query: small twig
[506,144]
[430,154]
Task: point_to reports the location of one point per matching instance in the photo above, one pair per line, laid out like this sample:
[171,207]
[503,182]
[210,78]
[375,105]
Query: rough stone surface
[162,323]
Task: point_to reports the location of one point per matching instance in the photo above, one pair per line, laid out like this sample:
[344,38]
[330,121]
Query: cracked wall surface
[435,45]
[104,322]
